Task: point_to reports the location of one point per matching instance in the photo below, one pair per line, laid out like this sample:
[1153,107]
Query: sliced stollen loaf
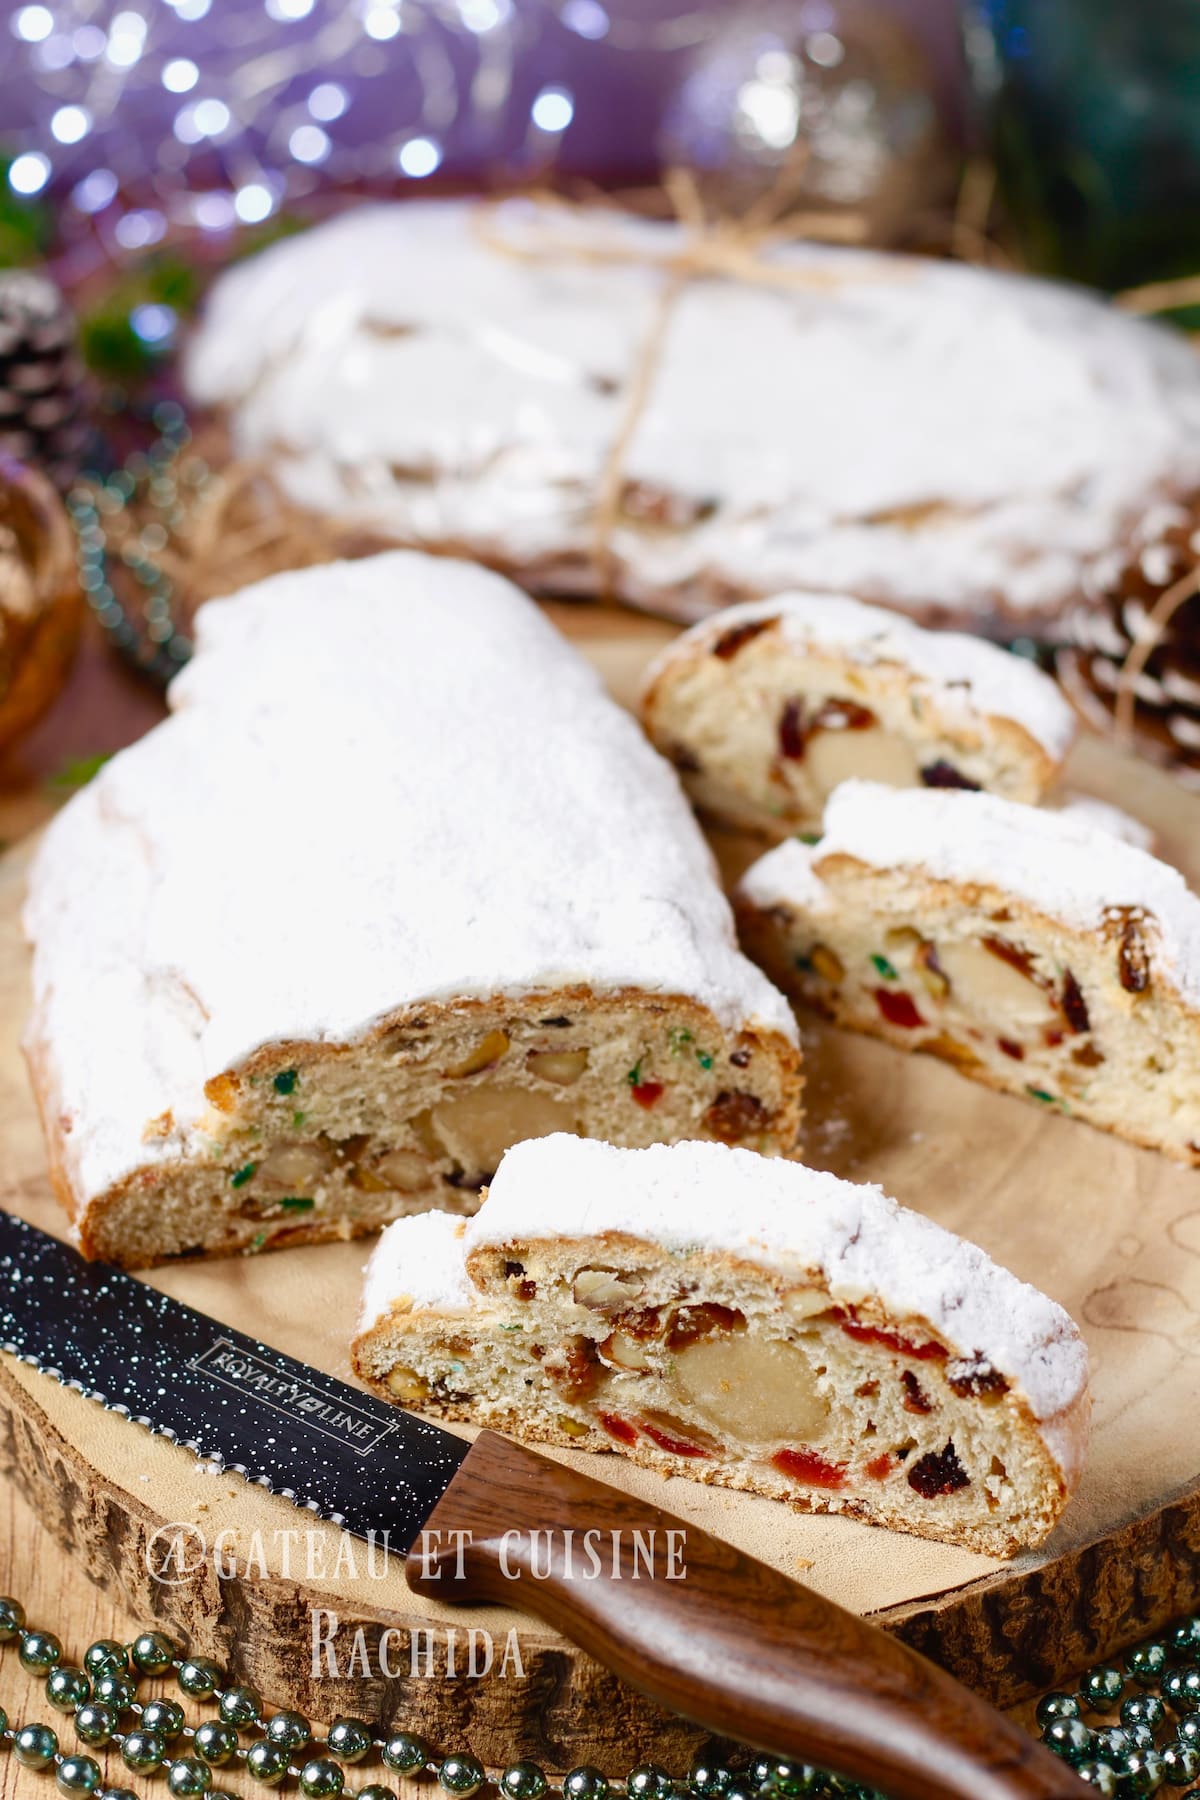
[765,708]
[395,886]
[743,1321]
[1035,951]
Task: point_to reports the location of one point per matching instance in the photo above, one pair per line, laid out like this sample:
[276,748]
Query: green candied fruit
[298,1119]
[704,1059]
[809,837]
[885,968]
[634,1076]
[285,1081]
[243,1175]
[296,1203]
[1047,1099]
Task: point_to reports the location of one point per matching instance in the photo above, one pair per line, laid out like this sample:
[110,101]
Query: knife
[733,1645]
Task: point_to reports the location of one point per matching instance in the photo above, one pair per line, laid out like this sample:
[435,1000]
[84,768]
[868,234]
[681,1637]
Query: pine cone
[42,391]
[1100,634]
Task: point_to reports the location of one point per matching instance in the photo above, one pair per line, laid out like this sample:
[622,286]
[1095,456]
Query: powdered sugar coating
[422,1263]
[783,1216]
[384,782]
[966,678]
[916,432]
[1064,865]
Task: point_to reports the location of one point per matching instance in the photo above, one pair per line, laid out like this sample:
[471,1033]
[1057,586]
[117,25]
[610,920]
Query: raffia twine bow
[706,247]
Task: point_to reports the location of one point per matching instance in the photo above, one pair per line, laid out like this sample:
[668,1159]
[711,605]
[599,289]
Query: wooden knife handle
[716,1635]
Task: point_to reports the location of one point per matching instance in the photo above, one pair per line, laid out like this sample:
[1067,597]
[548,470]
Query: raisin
[1074,1005]
[1011,1049]
[581,1370]
[731,641]
[793,737]
[898,1009]
[1087,1056]
[527,1290]
[740,1058]
[806,1465]
[691,1323]
[513,1268]
[969,1377]
[944,775]
[1133,958]
[560,1019]
[734,1114]
[938,1472]
[915,1398]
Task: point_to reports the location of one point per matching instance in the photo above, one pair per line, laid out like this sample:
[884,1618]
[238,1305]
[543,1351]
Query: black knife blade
[235,1402]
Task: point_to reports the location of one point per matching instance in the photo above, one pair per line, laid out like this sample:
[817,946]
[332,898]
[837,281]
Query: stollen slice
[1034,951]
[395,886]
[766,708]
[744,1321]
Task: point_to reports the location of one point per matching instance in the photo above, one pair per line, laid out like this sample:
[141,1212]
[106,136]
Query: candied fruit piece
[735,1114]
[809,1467]
[898,1008]
[731,641]
[942,774]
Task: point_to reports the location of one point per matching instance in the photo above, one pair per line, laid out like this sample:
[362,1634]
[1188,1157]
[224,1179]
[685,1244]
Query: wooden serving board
[1110,1231]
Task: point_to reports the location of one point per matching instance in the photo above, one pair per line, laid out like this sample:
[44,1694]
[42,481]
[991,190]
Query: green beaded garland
[215,1741]
[586,1783]
[118,1691]
[290,1729]
[40,1652]
[405,1753]
[200,1677]
[1143,1709]
[163,1716]
[1187,1729]
[188,1778]
[1146,1663]
[349,1740]
[111,1793]
[35,1746]
[143,1750]
[707,1779]
[153,1652]
[1141,1737]
[106,1657]
[527,1781]
[1181,1689]
[267,1762]
[78,1775]
[1181,1764]
[1106,1781]
[12,1619]
[1143,1772]
[95,1722]
[1102,1687]
[67,1688]
[1069,1738]
[3,1721]
[240,1706]
[376,1792]
[463,1775]
[1056,1706]
[321,1779]
[1185,1639]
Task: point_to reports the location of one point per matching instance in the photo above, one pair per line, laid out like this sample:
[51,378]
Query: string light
[553,109]
[419,157]
[29,172]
